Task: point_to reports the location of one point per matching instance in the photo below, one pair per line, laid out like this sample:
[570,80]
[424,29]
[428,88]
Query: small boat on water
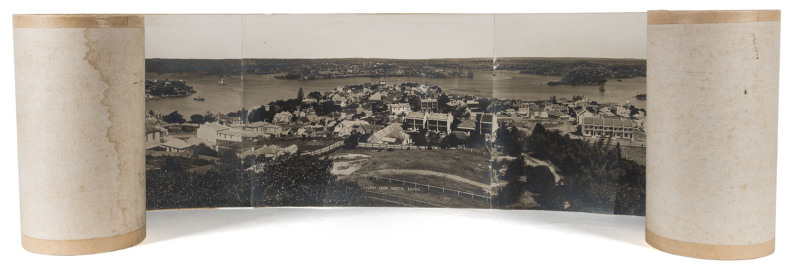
[641,96]
[602,89]
[199,99]
[221,81]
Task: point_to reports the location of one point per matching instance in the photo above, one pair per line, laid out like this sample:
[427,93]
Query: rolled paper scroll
[712,145]
[80,127]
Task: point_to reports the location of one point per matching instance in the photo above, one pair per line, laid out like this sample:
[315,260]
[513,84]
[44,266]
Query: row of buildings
[591,118]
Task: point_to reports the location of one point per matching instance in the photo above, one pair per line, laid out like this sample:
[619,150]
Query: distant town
[402,144]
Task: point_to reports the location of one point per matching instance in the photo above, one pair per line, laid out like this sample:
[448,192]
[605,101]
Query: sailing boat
[602,88]
[222,81]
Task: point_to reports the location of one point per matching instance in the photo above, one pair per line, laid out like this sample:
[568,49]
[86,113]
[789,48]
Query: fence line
[325,149]
[184,154]
[415,147]
[437,188]
[397,147]
[400,200]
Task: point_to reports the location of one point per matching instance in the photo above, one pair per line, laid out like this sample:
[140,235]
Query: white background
[393,237]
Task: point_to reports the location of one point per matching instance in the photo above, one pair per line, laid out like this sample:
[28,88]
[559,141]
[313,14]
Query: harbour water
[256,90]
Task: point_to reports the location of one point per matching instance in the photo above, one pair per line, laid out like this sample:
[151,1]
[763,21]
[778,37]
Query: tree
[539,179]
[510,193]
[460,112]
[414,103]
[172,164]
[315,95]
[209,117]
[300,94]
[509,139]
[539,129]
[451,141]
[418,138]
[243,115]
[197,118]
[203,149]
[476,139]
[593,174]
[352,141]
[454,125]
[259,114]
[295,180]
[174,117]
[553,198]
[442,101]
[325,107]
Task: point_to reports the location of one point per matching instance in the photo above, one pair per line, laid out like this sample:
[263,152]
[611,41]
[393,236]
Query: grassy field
[432,196]
[461,163]
[459,170]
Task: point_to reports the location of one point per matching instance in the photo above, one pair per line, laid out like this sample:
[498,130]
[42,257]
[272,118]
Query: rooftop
[438,116]
[416,116]
[216,126]
[176,143]
[467,124]
[611,122]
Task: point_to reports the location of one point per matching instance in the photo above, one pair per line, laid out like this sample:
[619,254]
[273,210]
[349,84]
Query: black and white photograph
[514,111]
[570,99]
[399,133]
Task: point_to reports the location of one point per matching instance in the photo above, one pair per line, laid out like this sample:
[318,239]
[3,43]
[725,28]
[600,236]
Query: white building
[231,134]
[376,97]
[401,108]
[439,122]
[580,113]
[283,117]
[416,120]
[607,127]
[344,128]
[208,132]
[392,134]
[175,145]
[429,104]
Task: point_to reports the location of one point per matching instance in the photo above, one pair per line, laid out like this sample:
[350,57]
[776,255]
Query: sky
[607,35]
[368,36]
[193,36]
[603,35]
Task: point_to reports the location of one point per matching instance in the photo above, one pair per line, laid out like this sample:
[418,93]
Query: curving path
[553,169]
[456,178]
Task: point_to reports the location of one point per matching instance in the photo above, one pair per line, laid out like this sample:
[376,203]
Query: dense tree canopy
[197,118]
[595,175]
[174,117]
[294,180]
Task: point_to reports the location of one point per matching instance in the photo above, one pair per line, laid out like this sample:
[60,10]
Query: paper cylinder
[712,113]
[80,130]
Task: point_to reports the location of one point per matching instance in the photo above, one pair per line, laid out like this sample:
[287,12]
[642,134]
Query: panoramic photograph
[517,111]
